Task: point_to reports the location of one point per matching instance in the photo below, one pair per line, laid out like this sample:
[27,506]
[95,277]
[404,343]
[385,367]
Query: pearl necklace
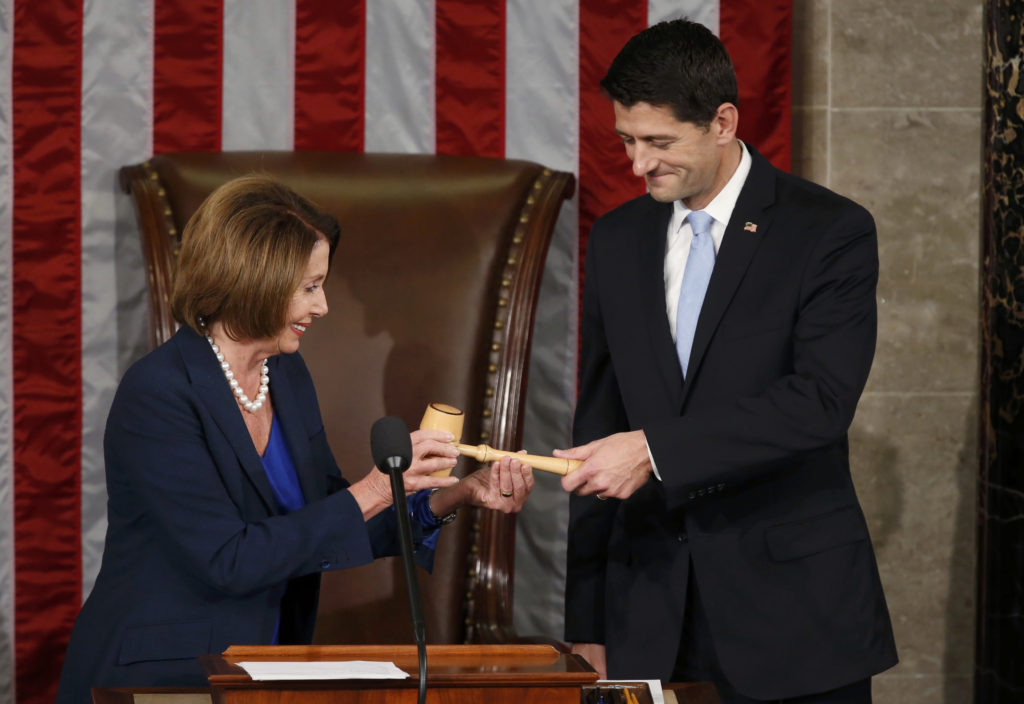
[236,388]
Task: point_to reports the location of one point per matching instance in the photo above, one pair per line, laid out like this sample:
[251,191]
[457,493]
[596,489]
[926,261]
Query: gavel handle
[485,453]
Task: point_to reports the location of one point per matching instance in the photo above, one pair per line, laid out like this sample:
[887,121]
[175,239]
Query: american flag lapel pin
[750,227]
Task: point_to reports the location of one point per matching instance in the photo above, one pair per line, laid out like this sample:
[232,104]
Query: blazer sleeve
[382,529]
[810,407]
[169,464]
[599,412]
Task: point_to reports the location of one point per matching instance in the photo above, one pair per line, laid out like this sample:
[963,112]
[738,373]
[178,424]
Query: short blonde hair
[243,254]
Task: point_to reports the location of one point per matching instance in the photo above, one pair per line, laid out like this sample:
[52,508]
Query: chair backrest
[432,293]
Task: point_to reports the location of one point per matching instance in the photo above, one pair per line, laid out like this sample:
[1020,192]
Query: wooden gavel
[440,416]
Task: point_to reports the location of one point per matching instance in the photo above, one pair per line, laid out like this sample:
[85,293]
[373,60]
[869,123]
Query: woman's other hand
[504,486]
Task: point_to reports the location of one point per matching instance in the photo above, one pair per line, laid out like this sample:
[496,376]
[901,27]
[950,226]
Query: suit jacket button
[325,564]
[683,537]
[693,495]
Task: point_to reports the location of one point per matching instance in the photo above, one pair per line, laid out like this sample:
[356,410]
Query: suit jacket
[198,555]
[751,447]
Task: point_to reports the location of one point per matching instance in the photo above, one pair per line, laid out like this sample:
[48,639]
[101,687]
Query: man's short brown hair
[243,254]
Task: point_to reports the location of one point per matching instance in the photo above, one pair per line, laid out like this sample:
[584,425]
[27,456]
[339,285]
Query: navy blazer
[198,555]
[751,447]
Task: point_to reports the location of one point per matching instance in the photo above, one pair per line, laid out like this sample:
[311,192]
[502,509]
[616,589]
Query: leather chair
[432,293]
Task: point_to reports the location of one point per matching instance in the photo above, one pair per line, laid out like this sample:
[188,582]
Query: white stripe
[400,40]
[258,104]
[116,104]
[6,377]
[542,125]
[703,11]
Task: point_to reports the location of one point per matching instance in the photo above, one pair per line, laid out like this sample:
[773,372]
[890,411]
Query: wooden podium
[456,674]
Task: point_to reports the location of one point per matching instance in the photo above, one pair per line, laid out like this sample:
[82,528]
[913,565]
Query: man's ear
[725,122]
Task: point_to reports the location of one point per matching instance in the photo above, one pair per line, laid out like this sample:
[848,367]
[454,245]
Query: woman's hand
[432,451]
[504,486]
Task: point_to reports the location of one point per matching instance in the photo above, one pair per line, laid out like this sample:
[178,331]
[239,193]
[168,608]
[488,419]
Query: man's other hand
[613,467]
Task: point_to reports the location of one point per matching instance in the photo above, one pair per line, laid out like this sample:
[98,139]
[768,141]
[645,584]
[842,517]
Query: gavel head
[441,416]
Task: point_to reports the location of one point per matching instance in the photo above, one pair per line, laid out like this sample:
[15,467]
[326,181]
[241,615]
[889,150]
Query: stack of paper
[324,670]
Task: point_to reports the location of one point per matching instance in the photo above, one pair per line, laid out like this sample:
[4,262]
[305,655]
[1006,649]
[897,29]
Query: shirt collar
[722,205]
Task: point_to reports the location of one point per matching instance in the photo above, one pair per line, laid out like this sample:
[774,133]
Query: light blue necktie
[695,283]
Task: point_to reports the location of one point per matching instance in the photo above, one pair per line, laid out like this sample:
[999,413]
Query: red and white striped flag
[88,87]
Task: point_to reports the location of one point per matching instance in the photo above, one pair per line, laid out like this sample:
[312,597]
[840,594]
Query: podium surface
[455,674]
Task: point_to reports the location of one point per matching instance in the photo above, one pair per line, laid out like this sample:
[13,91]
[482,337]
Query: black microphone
[392,453]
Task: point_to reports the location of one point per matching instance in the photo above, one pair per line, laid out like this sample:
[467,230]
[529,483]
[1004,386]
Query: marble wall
[887,109]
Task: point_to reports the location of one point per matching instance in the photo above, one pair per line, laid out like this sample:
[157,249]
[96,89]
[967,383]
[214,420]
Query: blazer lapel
[213,390]
[738,247]
[289,415]
[651,285]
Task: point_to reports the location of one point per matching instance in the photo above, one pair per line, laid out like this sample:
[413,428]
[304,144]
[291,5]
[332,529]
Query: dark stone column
[999,671]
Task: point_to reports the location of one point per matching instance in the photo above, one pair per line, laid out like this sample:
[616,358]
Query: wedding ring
[601,498]
[506,494]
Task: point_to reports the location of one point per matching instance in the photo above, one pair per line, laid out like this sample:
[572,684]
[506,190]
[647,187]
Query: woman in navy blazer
[225,502]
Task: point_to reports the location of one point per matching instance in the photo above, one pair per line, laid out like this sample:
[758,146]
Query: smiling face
[308,301]
[679,160]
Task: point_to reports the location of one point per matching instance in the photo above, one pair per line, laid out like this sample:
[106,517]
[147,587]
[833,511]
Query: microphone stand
[412,585]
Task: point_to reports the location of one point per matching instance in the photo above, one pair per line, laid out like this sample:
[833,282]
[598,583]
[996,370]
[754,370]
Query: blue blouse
[277,462]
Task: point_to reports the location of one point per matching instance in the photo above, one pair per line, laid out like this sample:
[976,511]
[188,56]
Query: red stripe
[606,175]
[330,69]
[188,61]
[758,35]
[470,77]
[47,338]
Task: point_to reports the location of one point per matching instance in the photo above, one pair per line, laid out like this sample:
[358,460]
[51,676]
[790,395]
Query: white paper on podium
[323,670]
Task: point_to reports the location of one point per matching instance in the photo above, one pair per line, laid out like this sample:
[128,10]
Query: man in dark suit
[728,331]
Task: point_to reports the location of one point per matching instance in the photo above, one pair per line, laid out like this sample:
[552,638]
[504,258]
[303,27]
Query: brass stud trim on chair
[167,212]
[497,389]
